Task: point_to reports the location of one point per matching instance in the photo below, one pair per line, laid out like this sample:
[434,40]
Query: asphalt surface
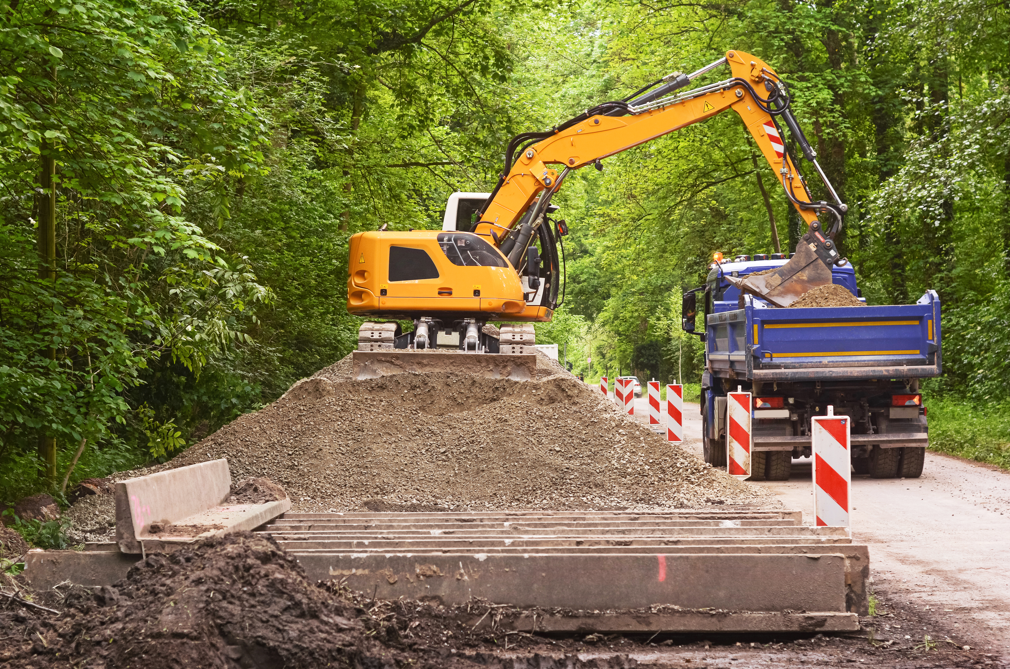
[940,542]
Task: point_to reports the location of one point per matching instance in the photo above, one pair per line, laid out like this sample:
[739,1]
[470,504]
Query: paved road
[941,541]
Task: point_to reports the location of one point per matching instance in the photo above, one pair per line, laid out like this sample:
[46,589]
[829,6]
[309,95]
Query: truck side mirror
[689,311]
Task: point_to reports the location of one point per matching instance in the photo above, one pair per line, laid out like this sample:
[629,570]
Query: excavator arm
[511,215]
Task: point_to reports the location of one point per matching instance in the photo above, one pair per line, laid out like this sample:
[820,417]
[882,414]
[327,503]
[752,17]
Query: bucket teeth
[376,336]
[517,339]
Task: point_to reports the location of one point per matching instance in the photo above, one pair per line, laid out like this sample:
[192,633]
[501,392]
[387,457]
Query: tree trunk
[47,272]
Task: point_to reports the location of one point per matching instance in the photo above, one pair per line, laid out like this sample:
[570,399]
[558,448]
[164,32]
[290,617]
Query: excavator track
[517,338]
[376,336]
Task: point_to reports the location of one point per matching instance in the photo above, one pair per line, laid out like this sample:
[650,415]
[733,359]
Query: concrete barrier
[178,506]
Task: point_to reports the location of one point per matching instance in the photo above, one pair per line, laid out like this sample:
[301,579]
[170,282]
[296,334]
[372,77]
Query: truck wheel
[715,452]
[912,460]
[780,465]
[861,465]
[884,462]
[758,465]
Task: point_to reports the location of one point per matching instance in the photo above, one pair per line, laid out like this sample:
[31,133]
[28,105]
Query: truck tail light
[906,400]
[769,403]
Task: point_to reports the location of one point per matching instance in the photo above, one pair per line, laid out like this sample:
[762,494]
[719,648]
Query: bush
[49,534]
[969,431]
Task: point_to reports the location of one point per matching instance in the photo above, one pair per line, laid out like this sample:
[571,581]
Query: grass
[967,430]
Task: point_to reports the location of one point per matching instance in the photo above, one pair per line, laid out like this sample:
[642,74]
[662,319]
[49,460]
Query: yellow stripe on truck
[843,353]
[786,326]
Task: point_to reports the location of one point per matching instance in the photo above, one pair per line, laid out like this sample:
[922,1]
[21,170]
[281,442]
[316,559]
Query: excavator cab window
[468,250]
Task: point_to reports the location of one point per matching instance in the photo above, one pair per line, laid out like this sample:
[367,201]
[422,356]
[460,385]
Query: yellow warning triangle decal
[708,107]
[361,259]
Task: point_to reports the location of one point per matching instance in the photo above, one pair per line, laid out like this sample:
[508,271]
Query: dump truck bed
[763,343]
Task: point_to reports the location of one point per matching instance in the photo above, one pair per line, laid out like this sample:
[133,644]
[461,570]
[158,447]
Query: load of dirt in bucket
[240,601]
[451,441]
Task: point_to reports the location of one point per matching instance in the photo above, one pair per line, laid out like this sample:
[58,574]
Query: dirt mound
[256,491]
[452,441]
[831,295]
[12,545]
[237,601]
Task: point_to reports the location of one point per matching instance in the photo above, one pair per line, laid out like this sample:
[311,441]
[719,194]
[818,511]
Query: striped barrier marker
[832,469]
[675,412]
[619,392]
[653,402]
[738,434]
[629,397]
[603,386]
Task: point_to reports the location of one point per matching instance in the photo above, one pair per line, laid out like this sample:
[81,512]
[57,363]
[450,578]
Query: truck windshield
[468,250]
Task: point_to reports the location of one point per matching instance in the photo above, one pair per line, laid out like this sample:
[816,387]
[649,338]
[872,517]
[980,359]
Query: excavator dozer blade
[373,364]
[804,272]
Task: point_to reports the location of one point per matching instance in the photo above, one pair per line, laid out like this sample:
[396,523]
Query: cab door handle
[445,292]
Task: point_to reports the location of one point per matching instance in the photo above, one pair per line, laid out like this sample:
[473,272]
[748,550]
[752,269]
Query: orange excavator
[502,265]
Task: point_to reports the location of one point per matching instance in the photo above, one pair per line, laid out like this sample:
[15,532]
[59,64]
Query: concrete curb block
[188,498]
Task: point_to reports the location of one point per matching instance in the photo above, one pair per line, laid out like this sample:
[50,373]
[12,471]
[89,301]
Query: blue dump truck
[866,361]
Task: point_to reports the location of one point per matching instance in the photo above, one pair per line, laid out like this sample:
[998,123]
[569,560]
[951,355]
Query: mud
[452,441]
[238,601]
[831,295]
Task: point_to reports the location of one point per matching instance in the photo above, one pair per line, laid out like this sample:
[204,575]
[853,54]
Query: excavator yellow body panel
[432,273]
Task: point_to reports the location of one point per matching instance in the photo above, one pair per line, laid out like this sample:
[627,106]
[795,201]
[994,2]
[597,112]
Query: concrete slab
[733,582]
[718,622]
[92,569]
[373,364]
[189,501]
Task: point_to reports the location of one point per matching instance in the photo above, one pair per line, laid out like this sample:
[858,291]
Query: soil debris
[256,491]
[37,507]
[93,519]
[231,602]
[12,545]
[830,295]
[453,441]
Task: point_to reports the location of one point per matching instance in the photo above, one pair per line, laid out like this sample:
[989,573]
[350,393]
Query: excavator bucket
[804,272]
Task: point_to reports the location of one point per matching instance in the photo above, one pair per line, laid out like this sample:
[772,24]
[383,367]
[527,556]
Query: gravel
[93,519]
[452,441]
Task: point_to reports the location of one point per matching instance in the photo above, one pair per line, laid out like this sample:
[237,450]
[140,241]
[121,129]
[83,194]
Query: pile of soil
[446,440]
[831,295]
[256,491]
[12,545]
[237,601]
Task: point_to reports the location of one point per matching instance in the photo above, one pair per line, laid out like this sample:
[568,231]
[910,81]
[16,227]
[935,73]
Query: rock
[37,507]
[91,487]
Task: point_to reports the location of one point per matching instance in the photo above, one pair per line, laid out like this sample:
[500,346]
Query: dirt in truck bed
[831,295]
[240,601]
[446,440]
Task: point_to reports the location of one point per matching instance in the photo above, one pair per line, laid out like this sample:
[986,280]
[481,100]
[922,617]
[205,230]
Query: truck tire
[884,462]
[758,465]
[715,452]
[780,465]
[912,460]
[861,466]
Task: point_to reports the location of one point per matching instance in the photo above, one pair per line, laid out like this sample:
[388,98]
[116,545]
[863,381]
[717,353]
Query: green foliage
[49,534]
[212,161]
[970,430]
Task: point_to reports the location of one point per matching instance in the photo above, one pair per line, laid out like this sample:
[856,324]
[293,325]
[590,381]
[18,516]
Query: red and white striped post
[738,434]
[654,403]
[832,469]
[603,386]
[629,396]
[675,412]
[619,392]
